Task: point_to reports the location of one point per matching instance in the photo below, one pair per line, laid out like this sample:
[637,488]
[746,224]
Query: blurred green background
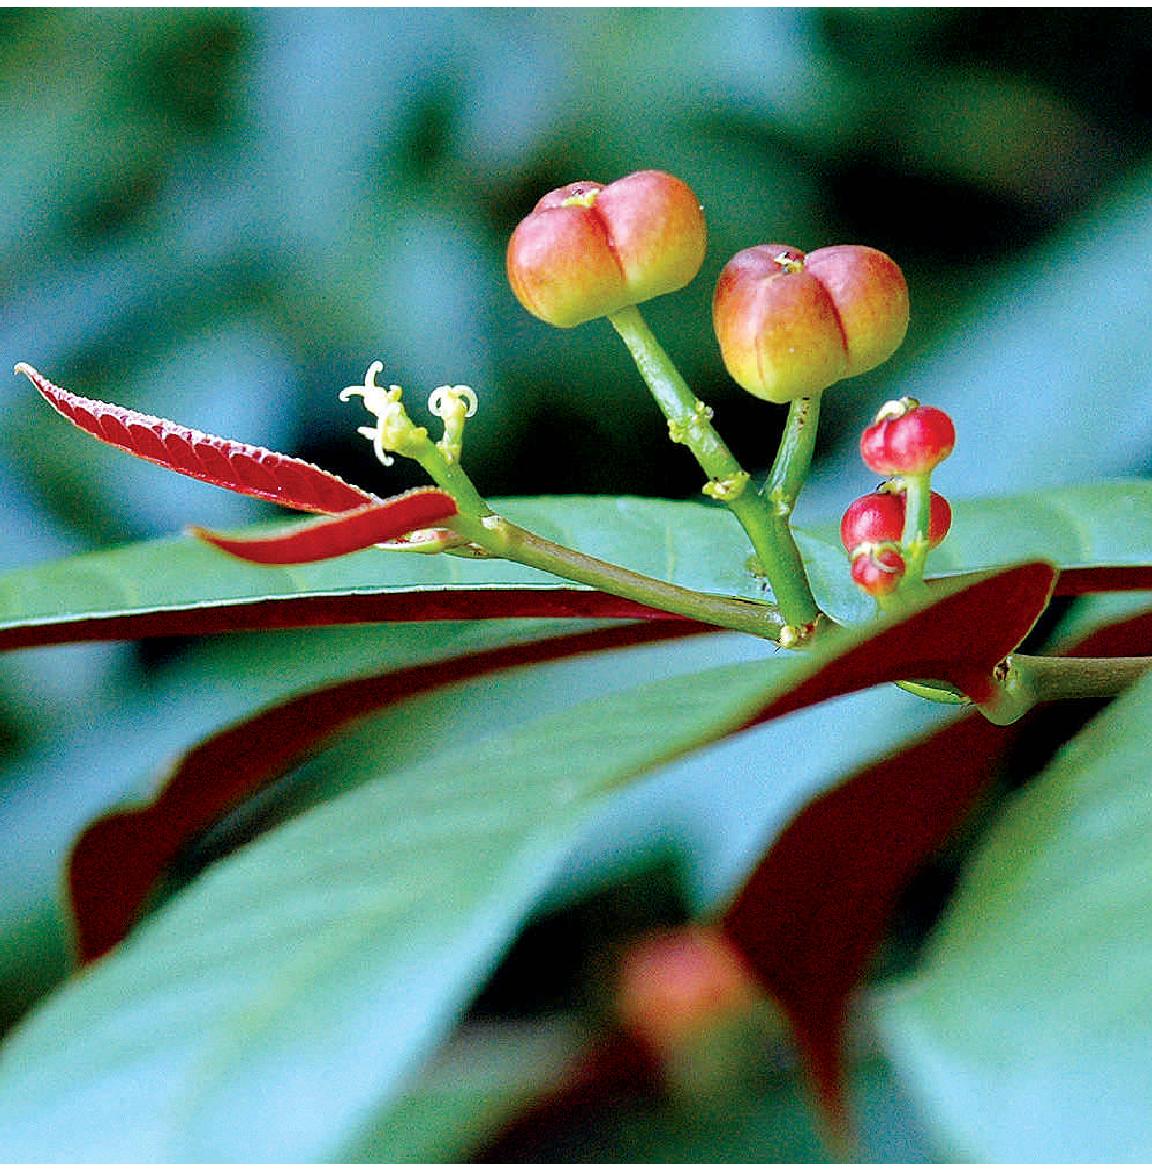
[223,215]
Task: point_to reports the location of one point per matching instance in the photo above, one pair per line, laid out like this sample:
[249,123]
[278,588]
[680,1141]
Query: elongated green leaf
[1027,1035]
[304,974]
[268,1011]
[690,544]
[118,858]
[119,746]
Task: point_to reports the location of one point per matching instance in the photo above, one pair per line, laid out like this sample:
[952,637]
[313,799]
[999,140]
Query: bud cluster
[905,441]
[789,324]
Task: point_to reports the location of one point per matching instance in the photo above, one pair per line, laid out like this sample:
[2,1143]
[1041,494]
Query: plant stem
[1030,679]
[501,538]
[477,523]
[790,467]
[917,517]
[789,471]
[1048,678]
[446,473]
[689,422]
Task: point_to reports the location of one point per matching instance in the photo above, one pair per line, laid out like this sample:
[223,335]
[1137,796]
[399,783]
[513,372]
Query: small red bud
[587,249]
[791,324]
[877,568]
[907,439]
[879,517]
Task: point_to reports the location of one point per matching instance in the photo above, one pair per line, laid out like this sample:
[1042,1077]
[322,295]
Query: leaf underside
[117,859]
[226,463]
[336,948]
[1024,1032]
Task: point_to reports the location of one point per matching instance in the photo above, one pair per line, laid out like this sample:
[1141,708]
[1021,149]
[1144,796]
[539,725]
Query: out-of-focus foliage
[224,215]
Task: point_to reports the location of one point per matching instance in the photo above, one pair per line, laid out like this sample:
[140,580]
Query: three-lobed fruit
[589,249]
[791,324]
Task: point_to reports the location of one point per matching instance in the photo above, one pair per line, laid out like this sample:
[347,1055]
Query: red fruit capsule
[590,249]
[907,439]
[791,324]
[879,517]
[878,568]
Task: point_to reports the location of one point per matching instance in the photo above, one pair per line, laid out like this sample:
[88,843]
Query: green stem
[501,538]
[478,524]
[790,468]
[446,473]
[917,516]
[689,422]
[788,475]
[1030,679]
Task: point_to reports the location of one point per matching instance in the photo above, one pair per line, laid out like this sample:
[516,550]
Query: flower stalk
[689,422]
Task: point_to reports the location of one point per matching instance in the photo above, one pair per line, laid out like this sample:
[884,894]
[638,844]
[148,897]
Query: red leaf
[1103,579]
[118,858]
[812,914]
[239,467]
[337,535]
[331,609]
[961,639]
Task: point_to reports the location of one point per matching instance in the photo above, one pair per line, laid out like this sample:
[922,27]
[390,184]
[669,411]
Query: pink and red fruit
[790,324]
[587,250]
[879,517]
[878,569]
[907,439]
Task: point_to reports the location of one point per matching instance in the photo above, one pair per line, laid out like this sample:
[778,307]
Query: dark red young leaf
[335,536]
[239,467]
[117,859]
[959,639]
[810,917]
[1103,579]
[333,609]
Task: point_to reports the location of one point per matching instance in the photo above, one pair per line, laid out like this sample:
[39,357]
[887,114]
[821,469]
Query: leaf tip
[204,534]
[28,371]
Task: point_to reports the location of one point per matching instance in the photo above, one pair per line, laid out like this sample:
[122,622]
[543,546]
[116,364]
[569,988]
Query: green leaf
[312,968]
[485,1077]
[116,862]
[1027,1035]
[690,544]
[117,748]
[267,1012]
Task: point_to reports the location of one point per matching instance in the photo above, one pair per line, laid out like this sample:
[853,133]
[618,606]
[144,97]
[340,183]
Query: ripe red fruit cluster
[879,517]
[907,439]
[588,250]
[790,324]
